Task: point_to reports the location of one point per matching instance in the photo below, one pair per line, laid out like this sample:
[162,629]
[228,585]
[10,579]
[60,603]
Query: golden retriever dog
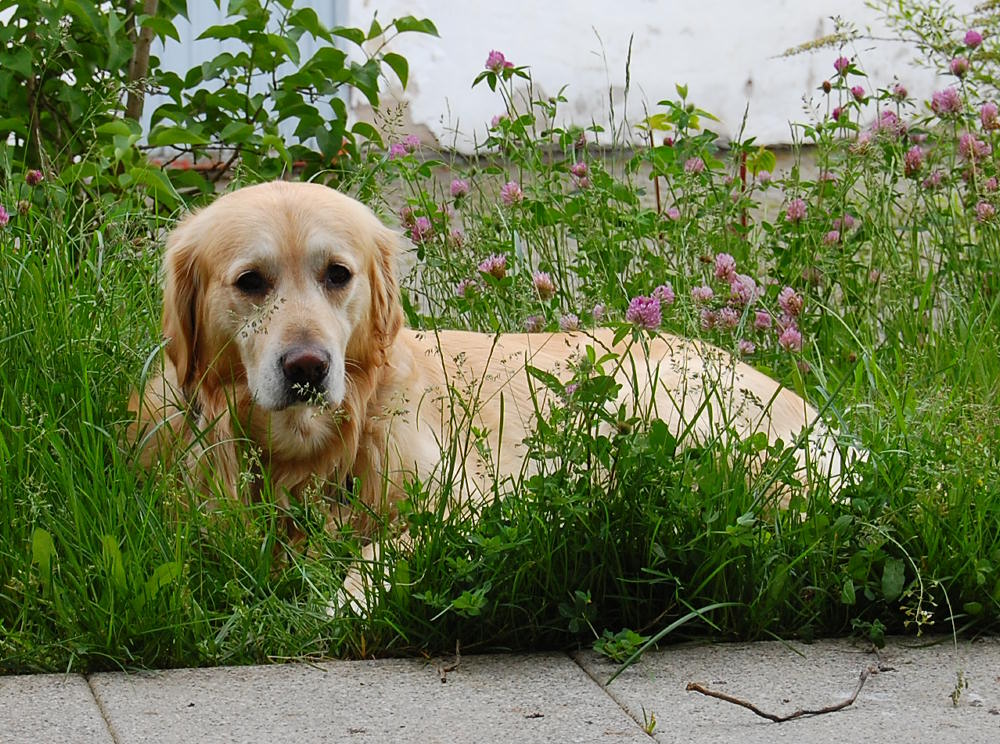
[284,334]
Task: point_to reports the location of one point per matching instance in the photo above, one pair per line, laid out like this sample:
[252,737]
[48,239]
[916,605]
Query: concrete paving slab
[538,698]
[50,708]
[909,701]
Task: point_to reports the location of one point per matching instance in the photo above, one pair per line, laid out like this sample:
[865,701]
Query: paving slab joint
[112,732]
[603,688]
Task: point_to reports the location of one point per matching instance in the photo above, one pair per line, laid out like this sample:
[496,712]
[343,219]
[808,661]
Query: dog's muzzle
[305,370]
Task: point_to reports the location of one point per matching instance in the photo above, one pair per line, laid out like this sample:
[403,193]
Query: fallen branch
[865,673]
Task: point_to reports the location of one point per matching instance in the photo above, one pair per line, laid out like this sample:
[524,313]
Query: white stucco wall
[726,51]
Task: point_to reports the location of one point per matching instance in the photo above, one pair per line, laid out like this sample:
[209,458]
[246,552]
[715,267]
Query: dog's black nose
[305,370]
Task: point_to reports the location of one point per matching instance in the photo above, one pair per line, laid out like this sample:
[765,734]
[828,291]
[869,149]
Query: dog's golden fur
[299,269]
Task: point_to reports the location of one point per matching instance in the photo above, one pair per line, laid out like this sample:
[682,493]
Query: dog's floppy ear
[386,312]
[180,305]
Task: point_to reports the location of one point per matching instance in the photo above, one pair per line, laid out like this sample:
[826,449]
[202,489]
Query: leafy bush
[215,112]
[73,76]
[65,71]
[64,67]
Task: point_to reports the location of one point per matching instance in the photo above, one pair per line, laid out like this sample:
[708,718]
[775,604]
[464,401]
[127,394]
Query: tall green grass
[103,566]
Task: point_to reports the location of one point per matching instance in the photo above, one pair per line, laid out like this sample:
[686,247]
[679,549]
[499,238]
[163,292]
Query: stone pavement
[549,697]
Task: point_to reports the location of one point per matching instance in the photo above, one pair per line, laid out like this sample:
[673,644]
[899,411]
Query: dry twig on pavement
[443,670]
[865,673]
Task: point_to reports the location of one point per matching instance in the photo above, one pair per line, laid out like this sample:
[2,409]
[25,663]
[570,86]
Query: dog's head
[285,288]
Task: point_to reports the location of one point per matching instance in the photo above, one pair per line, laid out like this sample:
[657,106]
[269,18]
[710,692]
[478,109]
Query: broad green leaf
[367,131]
[162,576]
[546,378]
[973,608]
[328,60]
[761,160]
[43,550]
[278,145]
[85,12]
[11,124]
[226,31]
[847,593]
[307,19]
[189,179]
[18,61]
[123,145]
[236,132]
[282,45]
[365,79]
[416,25]
[843,522]
[657,122]
[113,562]
[354,35]
[165,136]
[161,27]
[157,182]
[469,604]
[621,332]
[399,65]
[893,575]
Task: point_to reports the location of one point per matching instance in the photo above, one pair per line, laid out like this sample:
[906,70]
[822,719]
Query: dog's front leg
[367,579]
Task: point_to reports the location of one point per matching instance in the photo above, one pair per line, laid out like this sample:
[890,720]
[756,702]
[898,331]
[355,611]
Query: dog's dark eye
[336,276]
[252,283]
